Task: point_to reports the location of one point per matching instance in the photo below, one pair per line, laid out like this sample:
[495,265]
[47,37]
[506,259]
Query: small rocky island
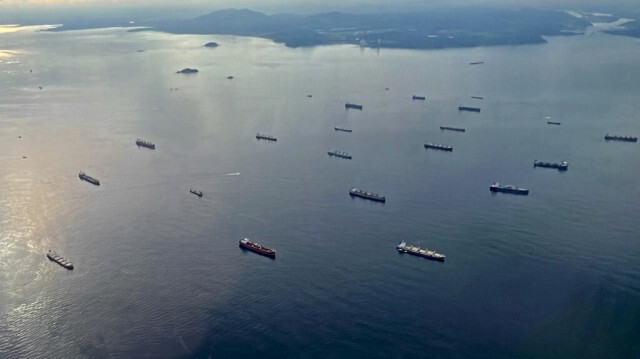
[211,44]
[187,71]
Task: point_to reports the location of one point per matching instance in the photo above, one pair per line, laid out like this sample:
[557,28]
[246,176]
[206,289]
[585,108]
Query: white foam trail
[233,174]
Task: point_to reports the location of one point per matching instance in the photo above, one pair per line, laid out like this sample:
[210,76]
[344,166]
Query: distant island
[451,27]
[187,71]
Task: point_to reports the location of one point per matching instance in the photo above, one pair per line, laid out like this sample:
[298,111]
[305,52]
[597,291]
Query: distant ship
[497,187]
[438,147]
[356,192]
[553,123]
[257,248]
[477,97]
[403,247]
[53,256]
[608,137]
[196,192]
[458,129]
[147,144]
[476,63]
[342,129]
[471,109]
[187,71]
[353,106]
[229,77]
[85,177]
[422,98]
[341,154]
[562,166]
[265,137]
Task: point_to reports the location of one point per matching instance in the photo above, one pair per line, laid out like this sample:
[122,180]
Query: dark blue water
[158,272]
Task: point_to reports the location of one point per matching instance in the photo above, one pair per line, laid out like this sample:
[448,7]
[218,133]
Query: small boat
[257,248]
[438,147]
[553,123]
[53,256]
[265,137]
[353,106]
[85,177]
[562,166]
[421,98]
[343,129]
[403,247]
[196,192]
[457,129]
[356,192]
[497,187]
[147,144]
[340,154]
[608,137]
[470,109]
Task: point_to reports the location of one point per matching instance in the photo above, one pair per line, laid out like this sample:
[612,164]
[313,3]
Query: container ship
[342,129]
[353,106]
[257,248]
[420,98]
[340,154]
[608,137]
[147,144]
[356,192]
[265,137]
[403,247]
[53,256]
[466,108]
[438,147]
[497,187]
[85,177]
[562,166]
[458,129]
[196,192]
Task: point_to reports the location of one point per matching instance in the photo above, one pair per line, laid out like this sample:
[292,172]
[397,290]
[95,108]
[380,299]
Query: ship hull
[519,191]
[89,179]
[557,166]
[419,252]
[457,129]
[365,195]
[256,248]
[59,260]
[353,106]
[438,147]
[470,109]
[342,129]
[621,138]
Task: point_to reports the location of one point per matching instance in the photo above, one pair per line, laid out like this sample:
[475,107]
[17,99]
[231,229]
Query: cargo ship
[254,247]
[608,137]
[403,247]
[356,192]
[265,137]
[343,129]
[562,166]
[438,147]
[147,144]
[457,129]
[340,154]
[421,98]
[85,177]
[497,187]
[53,256]
[196,192]
[553,123]
[466,108]
[353,106]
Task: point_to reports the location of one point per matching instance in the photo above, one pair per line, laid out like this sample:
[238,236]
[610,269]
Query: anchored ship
[438,147]
[422,98]
[353,106]
[147,144]
[265,137]
[257,248]
[458,129]
[620,138]
[53,256]
[553,123]
[196,192]
[342,129]
[562,166]
[497,187]
[356,192]
[340,154]
[466,108]
[403,247]
[85,177]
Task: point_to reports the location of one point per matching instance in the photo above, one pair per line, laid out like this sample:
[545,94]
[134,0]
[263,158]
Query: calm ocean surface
[158,272]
